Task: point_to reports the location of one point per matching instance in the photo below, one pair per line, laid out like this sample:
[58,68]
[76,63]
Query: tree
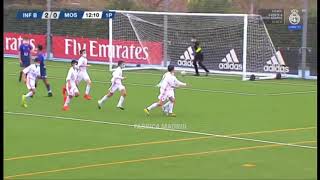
[123,5]
[216,6]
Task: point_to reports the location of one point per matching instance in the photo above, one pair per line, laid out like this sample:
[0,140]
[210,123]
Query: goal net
[231,43]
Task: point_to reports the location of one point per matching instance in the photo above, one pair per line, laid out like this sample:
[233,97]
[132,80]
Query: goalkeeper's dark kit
[198,58]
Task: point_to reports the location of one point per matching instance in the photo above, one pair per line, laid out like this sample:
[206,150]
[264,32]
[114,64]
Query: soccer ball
[183,73]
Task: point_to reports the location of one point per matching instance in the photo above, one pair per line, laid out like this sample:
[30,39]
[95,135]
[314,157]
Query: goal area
[237,44]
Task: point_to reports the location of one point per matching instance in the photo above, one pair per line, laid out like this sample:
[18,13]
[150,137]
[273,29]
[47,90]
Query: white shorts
[165,94]
[116,86]
[83,75]
[31,83]
[73,90]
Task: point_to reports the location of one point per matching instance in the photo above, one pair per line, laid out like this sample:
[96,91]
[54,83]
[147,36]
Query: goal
[232,43]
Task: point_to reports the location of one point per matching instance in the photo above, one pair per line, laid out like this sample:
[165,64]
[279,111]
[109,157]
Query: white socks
[152,106]
[29,94]
[120,103]
[165,107]
[103,99]
[170,107]
[67,101]
[88,89]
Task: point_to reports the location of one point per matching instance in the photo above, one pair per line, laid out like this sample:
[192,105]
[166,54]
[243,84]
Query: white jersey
[165,74]
[169,82]
[72,75]
[117,76]
[82,63]
[32,71]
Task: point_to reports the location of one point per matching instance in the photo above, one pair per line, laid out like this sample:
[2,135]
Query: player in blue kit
[24,55]
[43,69]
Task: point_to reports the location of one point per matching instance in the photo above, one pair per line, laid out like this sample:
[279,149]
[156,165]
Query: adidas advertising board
[230,62]
[186,59]
[229,58]
[276,64]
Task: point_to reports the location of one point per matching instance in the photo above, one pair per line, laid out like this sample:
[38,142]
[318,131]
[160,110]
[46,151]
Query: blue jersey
[25,51]
[40,56]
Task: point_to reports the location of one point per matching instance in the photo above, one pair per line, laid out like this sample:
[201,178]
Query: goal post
[237,44]
[118,40]
[244,53]
[110,53]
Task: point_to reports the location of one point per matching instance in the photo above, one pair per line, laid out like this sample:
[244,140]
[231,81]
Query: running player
[83,75]
[30,74]
[24,55]
[167,85]
[43,69]
[71,86]
[116,84]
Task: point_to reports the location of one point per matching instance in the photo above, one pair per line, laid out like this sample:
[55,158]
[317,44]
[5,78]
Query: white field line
[290,93]
[158,128]
[289,84]
[204,90]
[199,77]
[185,88]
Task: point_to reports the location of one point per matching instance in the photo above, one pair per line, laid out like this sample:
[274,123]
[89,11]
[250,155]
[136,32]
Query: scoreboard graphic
[62,15]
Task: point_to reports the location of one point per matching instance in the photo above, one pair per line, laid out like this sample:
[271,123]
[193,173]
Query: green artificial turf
[44,142]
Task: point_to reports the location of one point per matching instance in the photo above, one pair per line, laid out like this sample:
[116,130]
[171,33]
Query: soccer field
[225,129]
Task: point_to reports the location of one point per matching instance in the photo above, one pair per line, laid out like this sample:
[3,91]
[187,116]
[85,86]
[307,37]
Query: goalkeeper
[198,58]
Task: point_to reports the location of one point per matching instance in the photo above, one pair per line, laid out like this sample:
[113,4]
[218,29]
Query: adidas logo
[186,58]
[230,62]
[276,64]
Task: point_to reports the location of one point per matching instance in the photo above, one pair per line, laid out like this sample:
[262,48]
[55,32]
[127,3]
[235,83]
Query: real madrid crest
[294,17]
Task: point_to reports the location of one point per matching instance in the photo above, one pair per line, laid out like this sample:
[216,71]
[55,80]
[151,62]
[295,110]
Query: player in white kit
[30,75]
[116,84]
[167,85]
[83,74]
[71,86]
